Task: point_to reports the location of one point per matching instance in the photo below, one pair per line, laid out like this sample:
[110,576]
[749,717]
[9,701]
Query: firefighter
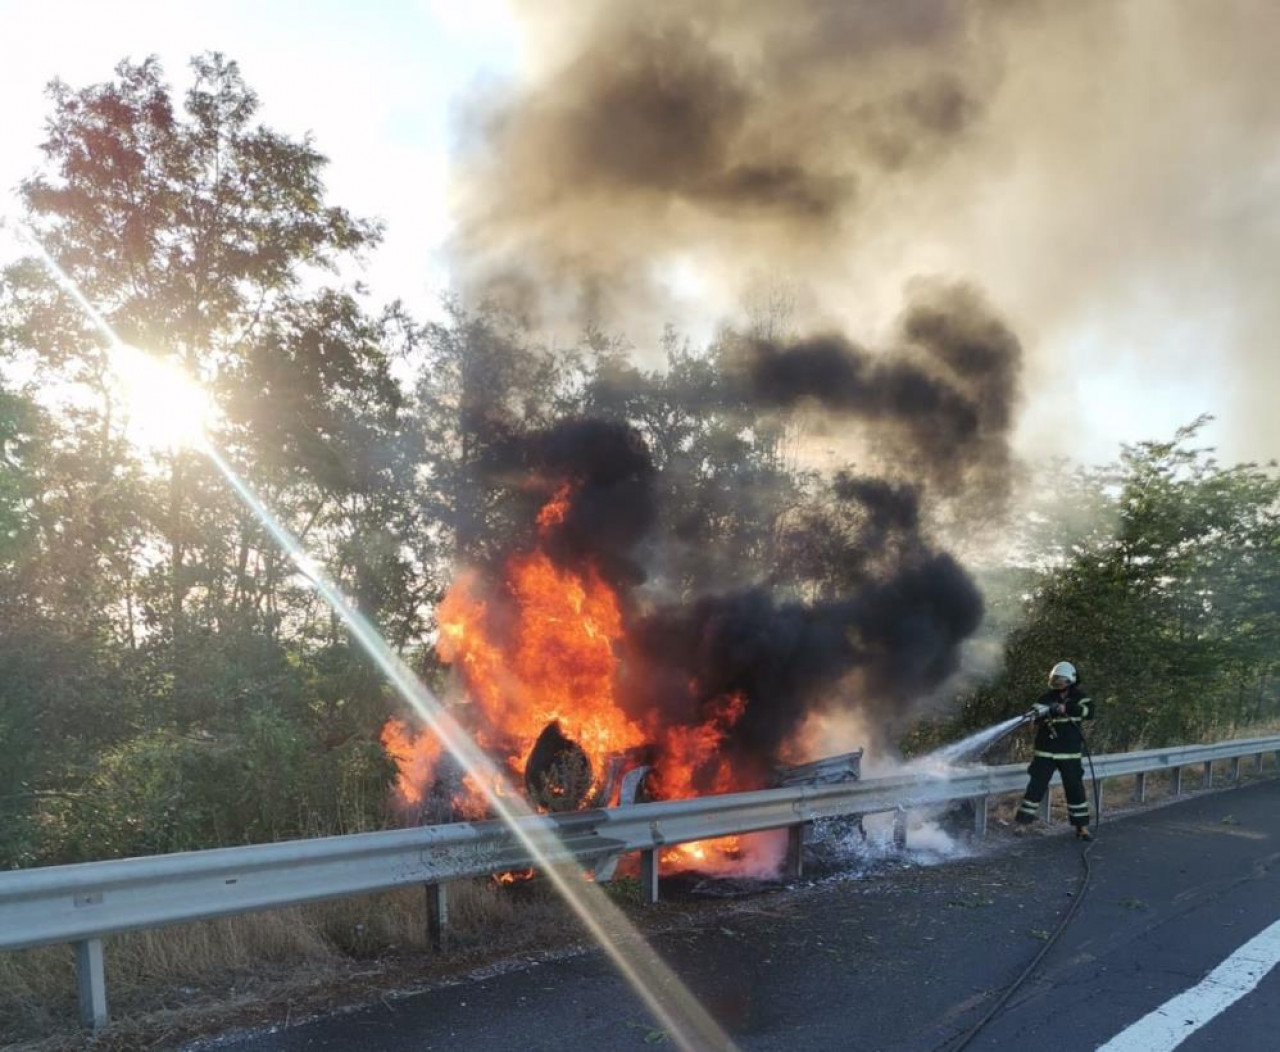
[1059,746]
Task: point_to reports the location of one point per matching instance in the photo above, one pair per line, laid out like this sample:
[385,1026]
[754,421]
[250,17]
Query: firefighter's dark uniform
[1059,747]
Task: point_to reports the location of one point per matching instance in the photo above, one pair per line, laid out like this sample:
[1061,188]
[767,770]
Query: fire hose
[1085,878]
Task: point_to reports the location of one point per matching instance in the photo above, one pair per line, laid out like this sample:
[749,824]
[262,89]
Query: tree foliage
[141,601]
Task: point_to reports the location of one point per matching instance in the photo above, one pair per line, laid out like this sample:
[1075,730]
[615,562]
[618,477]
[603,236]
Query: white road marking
[1177,1019]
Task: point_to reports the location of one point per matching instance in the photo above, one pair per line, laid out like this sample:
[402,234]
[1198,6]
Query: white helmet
[1064,670]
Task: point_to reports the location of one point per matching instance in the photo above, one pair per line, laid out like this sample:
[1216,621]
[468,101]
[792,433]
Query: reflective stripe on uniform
[1058,755]
[1078,809]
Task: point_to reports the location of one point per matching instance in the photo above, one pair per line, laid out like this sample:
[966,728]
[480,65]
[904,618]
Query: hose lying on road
[1013,987]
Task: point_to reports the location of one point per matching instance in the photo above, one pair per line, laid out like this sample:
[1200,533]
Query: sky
[376,85]
[380,87]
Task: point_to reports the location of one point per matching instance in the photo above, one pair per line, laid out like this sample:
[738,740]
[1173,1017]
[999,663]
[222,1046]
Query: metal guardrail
[85,903]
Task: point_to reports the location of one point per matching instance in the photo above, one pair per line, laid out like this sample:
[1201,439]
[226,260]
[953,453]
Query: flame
[543,646]
[415,757]
[558,664]
[694,751]
[555,511]
[513,876]
[751,855]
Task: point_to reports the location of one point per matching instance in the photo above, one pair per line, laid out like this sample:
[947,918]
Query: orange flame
[555,511]
[558,663]
[555,658]
[415,756]
[754,855]
[688,751]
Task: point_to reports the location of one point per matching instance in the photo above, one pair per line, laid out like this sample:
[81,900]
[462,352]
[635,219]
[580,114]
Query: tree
[201,235]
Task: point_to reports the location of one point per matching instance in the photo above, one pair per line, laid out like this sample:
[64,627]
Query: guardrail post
[900,829]
[793,866]
[1043,808]
[1235,769]
[1208,774]
[1257,764]
[1175,780]
[649,876]
[1140,787]
[1099,802]
[980,816]
[437,916]
[91,978]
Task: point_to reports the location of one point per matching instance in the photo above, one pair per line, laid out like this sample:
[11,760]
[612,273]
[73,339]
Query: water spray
[971,748]
[683,1018]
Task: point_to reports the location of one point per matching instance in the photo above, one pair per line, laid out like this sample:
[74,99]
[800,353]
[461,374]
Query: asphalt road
[908,962]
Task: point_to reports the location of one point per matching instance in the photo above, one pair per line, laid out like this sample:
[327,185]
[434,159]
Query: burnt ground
[906,958]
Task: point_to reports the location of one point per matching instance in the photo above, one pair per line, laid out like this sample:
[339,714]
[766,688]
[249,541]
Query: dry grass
[1264,729]
[216,968]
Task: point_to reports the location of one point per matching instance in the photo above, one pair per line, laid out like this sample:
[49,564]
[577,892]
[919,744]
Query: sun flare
[166,408]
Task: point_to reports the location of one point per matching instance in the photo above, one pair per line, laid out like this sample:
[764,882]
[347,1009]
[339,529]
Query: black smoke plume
[887,632]
[891,638]
[942,400]
[604,471]
[844,378]
[612,502]
[757,131]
